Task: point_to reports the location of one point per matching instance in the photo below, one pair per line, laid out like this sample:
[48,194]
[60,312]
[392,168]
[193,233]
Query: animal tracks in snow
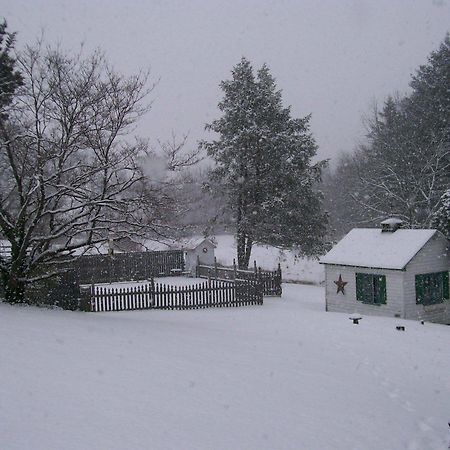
[392,390]
[428,436]
[427,428]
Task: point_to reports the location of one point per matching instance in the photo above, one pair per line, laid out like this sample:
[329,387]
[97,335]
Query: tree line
[403,167]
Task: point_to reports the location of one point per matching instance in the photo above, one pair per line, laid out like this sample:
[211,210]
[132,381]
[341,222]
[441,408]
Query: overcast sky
[331,58]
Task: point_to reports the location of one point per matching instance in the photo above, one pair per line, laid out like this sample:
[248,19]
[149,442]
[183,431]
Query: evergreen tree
[428,113]
[441,219]
[10,78]
[429,104]
[263,164]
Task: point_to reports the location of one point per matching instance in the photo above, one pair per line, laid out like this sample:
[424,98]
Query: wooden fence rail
[120,299]
[210,294]
[64,290]
[126,266]
[270,280]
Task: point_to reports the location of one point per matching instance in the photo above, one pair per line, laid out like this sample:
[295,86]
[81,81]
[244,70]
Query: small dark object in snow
[422,322]
[355,319]
[400,328]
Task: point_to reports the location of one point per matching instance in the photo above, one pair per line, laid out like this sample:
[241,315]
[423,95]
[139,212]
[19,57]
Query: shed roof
[369,247]
[193,243]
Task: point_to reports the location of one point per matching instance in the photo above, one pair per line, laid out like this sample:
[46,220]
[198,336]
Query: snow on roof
[176,244]
[369,247]
[193,243]
[392,221]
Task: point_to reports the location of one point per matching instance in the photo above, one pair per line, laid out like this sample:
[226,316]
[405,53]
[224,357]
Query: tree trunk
[244,250]
[244,240]
[14,287]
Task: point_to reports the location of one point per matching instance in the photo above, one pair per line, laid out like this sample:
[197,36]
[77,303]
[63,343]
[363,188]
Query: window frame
[432,288]
[373,284]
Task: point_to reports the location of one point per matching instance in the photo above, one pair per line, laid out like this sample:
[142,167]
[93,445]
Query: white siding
[348,303]
[434,257]
[205,258]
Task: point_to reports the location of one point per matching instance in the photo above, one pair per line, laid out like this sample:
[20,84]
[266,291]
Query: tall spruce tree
[10,78]
[263,164]
[441,219]
[429,104]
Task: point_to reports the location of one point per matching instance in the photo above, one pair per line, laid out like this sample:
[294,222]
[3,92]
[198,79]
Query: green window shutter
[419,288]
[360,287]
[445,282]
[382,289]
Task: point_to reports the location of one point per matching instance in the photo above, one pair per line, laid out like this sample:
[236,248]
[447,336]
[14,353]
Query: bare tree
[341,185]
[399,171]
[69,176]
[176,155]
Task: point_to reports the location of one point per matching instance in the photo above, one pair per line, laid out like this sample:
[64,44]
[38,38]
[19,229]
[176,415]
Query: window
[371,288]
[432,288]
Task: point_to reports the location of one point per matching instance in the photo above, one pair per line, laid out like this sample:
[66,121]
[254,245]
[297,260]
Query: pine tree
[441,219]
[263,164]
[428,111]
[10,78]
[429,104]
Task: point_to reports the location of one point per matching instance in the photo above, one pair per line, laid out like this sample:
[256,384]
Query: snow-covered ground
[285,375]
[294,269]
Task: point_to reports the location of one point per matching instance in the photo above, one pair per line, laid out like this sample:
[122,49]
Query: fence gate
[246,290]
[269,279]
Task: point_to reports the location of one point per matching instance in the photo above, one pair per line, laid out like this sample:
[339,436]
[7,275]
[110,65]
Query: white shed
[197,249]
[391,272]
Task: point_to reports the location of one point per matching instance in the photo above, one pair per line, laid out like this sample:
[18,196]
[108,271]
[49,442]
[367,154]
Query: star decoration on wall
[340,285]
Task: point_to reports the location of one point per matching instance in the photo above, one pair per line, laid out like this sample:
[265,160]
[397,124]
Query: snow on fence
[270,280]
[210,294]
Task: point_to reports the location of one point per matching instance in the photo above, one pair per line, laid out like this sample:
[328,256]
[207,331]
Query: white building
[197,250]
[392,272]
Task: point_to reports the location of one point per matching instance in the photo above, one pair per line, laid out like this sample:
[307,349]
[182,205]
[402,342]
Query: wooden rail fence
[270,280]
[210,294]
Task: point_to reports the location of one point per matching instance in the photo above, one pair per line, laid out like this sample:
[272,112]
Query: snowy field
[285,375]
[293,269]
